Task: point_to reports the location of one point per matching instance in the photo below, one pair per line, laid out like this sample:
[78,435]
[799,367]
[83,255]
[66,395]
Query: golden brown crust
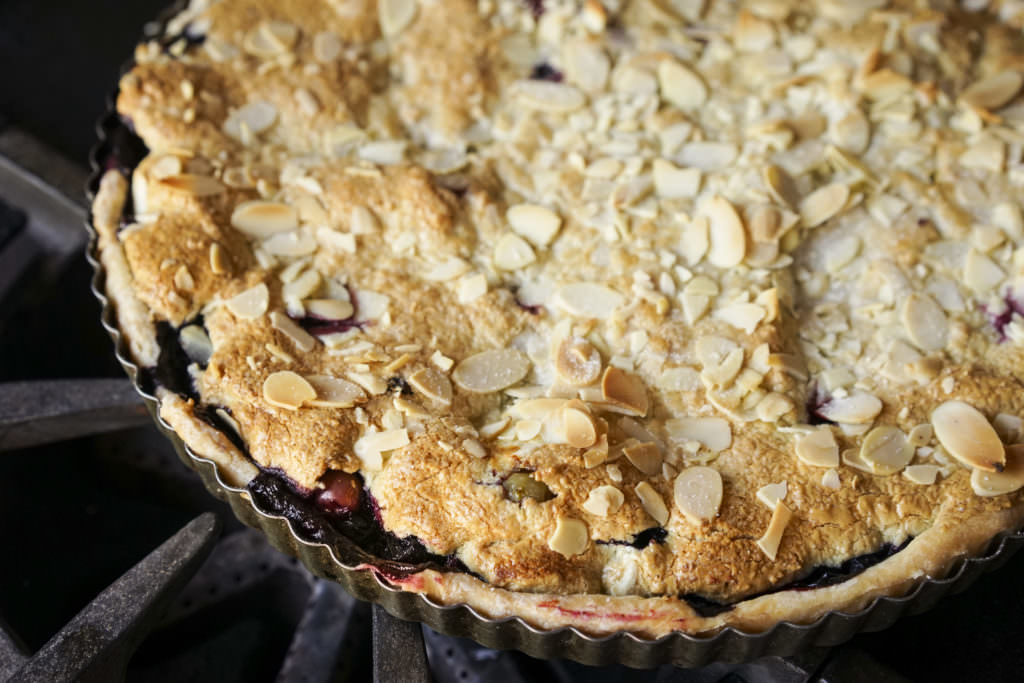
[739,223]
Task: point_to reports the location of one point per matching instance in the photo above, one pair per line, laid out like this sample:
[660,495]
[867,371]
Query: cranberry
[341,493]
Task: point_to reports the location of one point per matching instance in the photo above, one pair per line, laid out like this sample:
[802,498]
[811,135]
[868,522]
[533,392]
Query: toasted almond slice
[680,85]
[292,244]
[334,392]
[773,406]
[965,433]
[589,300]
[577,362]
[262,219]
[303,340]
[220,262]
[852,133]
[303,286]
[196,344]
[548,96]
[818,448]
[538,408]
[597,454]
[329,309]
[999,483]
[922,474]
[578,425]
[724,373]
[432,384]
[697,493]
[830,479]
[165,166]
[603,501]
[781,186]
[707,155]
[327,47]
[728,239]
[252,119]
[744,316]
[772,494]
[652,502]
[395,15]
[994,91]
[886,450]
[920,435]
[512,252]
[765,223]
[195,185]
[981,274]
[823,204]
[1008,427]
[646,457]
[286,389]
[252,303]
[625,391]
[370,447]
[570,538]
[714,433]
[675,183]
[536,223]
[769,543]
[491,370]
[925,322]
[858,408]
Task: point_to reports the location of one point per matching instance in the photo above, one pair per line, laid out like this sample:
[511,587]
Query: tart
[650,316]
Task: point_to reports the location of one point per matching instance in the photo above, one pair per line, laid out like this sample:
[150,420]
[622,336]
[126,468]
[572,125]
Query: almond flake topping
[603,501]
[781,186]
[925,322]
[652,502]
[589,300]
[995,91]
[570,538]
[251,119]
[432,384]
[772,494]
[370,447]
[334,392]
[303,340]
[728,239]
[998,483]
[548,96]
[512,252]
[744,316]
[1009,427]
[195,185]
[395,15]
[823,204]
[252,303]
[714,433]
[491,370]
[262,219]
[697,493]
[675,183]
[886,450]
[326,47]
[577,362]
[328,309]
[646,457]
[196,344]
[818,448]
[681,86]
[286,389]
[858,408]
[922,474]
[769,543]
[535,223]
[578,426]
[624,392]
[965,433]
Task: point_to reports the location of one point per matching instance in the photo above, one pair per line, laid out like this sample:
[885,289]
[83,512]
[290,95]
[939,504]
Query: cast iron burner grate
[166,618]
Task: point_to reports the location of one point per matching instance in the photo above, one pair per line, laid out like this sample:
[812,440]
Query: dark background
[58,64]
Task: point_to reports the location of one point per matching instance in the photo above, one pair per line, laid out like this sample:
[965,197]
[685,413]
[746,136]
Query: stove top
[76,514]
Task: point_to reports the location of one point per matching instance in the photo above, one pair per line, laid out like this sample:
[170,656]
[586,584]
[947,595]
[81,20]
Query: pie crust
[628,308]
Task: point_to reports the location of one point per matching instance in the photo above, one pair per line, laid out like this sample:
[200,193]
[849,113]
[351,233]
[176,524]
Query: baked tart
[648,316]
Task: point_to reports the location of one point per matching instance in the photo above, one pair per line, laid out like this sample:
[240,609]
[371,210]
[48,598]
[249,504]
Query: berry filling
[1000,319]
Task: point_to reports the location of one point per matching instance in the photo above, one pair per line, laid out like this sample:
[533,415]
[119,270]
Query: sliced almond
[220,262]
[625,391]
[823,204]
[818,448]
[772,494]
[714,433]
[548,96]
[327,47]
[994,91]
[925,322]
[334,392]
[432,384]
[965,433]
[723,374]
[922,474]
[981,274]
[675,183]
[744,316]
[589,300]
[291,244]
[1010,479]
[370,447]
[262,219]
[652,502]
[303,286]
[765,224]
[193,184]
[535,223]
[680,85]
[603,501]
[707,155]
[852,133]
[252,303]
[646,457]
[329,309]
[773,406]
[512,252]
[694,244]
[570,538]
[769,543]
[697,493]
[303,340]
[886,450]
[395,15]
[491,370]
[830,479]
[858,408]
[728,239]
[781,186]
[286,389]
[1009,428]
[577,362]
[252,119]
[579,427]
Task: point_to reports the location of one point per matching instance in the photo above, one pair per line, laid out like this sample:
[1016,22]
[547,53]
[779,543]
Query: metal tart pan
[349,565]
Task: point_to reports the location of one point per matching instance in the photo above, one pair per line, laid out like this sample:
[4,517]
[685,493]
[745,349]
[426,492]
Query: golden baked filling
[598,314]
